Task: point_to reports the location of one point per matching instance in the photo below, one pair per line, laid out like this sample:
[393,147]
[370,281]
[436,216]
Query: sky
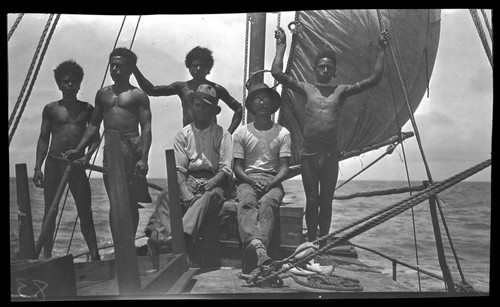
[455,122]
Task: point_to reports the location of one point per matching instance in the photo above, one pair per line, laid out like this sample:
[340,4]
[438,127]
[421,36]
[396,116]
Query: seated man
[203,156]
[262,151]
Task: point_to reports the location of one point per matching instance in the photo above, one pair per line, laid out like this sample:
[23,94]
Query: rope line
[14,25]
[278,25]
[102,136]
[482,36]
[245,66]
[293,44]
[387,214]
[487,23]
[37,69]
[415,245]
[30,71]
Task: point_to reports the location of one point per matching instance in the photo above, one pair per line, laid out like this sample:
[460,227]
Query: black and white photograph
[305,154]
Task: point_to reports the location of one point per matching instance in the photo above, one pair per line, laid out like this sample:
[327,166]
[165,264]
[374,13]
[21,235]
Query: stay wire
[102,135]
[382,26]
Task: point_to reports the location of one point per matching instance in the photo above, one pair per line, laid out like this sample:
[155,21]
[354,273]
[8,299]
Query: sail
[378,113]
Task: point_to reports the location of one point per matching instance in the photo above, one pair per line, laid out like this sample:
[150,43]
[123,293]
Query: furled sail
[379,113]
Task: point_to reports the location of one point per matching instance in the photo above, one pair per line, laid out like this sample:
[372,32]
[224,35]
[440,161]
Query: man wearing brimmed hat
[321,126]
[262,151]
[203,156]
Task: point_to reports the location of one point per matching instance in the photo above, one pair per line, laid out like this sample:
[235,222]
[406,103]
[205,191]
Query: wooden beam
[127,269]
[26,237]
[178,243]
[99,169]
[167,276]
[51,215]
[257,50]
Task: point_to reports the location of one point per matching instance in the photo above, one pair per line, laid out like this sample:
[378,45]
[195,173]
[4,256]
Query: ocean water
[466,207]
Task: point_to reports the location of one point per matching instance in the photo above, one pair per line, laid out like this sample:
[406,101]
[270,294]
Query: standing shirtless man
[319,153]
[199,61]
[124,108]
[63,124]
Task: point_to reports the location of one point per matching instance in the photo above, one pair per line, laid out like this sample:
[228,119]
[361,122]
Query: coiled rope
[386,214]
[332,282]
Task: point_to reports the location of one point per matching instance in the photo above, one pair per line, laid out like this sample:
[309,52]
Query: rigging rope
[30,70]
[383,216]
[102,84]
[482,36]
[245,65]
[278,25]
[487,23]
[14,120]
[290,57]
[14,25]
[382,26]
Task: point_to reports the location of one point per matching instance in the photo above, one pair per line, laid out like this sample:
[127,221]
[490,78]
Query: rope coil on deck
[329,282]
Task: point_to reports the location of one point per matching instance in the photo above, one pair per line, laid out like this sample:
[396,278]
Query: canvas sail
[377,114]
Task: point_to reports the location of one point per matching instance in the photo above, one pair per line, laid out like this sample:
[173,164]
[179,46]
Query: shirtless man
[63,124]
[124,108]
[199,62]
[319,153]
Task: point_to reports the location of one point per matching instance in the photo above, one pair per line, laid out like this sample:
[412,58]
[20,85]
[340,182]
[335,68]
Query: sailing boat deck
[225,281]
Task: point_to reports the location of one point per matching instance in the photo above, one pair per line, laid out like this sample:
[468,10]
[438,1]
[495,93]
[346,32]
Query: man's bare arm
[42,147]
[146,135]
[283,171]
[277,65]
[240,173]
[378,69]
[154,90]
[234,105]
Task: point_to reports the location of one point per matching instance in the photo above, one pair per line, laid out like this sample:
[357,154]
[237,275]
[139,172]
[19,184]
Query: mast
[257,50]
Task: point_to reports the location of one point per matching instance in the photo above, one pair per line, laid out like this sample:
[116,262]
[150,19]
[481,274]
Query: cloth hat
[262,87]
[207,93]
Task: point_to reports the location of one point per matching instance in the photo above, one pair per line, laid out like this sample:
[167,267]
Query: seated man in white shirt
[203,156]
[262,151]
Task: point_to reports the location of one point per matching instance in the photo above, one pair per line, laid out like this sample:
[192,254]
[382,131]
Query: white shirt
[261,150]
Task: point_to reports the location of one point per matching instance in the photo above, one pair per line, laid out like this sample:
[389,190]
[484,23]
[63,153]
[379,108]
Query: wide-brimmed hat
[262,87]
[208,94]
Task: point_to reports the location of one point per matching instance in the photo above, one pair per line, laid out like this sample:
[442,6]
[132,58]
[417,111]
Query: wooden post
[26,237]
[127,268]
[439,245]
[257,50]
[54,207]
[178,244]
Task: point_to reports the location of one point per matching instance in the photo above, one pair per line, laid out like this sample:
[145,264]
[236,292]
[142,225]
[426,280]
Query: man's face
[198,69]
[119,68]
[202,111]
[325,70]
[262,103]
[69,84]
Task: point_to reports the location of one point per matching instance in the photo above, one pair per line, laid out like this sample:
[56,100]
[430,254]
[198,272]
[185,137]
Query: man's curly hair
[69,67]
[129,56]
[202,54]
[325,53]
